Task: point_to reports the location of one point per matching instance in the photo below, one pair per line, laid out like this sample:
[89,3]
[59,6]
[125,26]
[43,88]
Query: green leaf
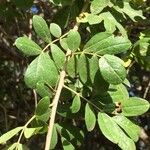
[110,23]
[112,132]
[98,5]
[93,62]
[129,127]
[83,68]
[66,144]
[71,133]
[17,146]
[43,90]
[135,106]
[43,111]
[63,43]
[73,40]
[127,83]
[21,147]
[87,68]
[128,10]
[58,56]
[90,119]
[44,117]
[105,43]
[76,104]
[41,69]
[55,30]
[5,137]
[41,28]
[28,132]
[12,147]
[54,138]
[118,93]
[72,66]
[108,127]
[27,46]
[42,106]
[112,69]
[93,19]
[100,86]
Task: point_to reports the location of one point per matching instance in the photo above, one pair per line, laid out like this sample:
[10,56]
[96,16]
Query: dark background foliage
[17,102]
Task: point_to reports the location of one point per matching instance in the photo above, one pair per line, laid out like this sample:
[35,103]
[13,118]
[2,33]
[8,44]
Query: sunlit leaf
[105,43]
[41,28]
[90,119]
[111,69]
[8,135]
[73,40]
[128,10]
[66,144]
[114,133]
[27,46]
[76,104]
[54,138]
[28,132]
[55,30]
[41,69]
[135,106]
[98,5]
[129,127]
[58,56]
[42,106]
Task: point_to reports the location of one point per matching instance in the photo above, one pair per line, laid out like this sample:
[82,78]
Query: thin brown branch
[146,90]
[55,102]
[60,86]
[54,108]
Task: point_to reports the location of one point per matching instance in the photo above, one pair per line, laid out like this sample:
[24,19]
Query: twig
[54,108]
[30,28]
[146,90]
[35,97]
[60,86]
[87,53]
[25,126]
[55,102]
[88,101]
[54,41]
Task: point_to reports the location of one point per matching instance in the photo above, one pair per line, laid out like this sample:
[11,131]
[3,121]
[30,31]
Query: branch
[54,108]
[146,90]
[59,88]
[78,94]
